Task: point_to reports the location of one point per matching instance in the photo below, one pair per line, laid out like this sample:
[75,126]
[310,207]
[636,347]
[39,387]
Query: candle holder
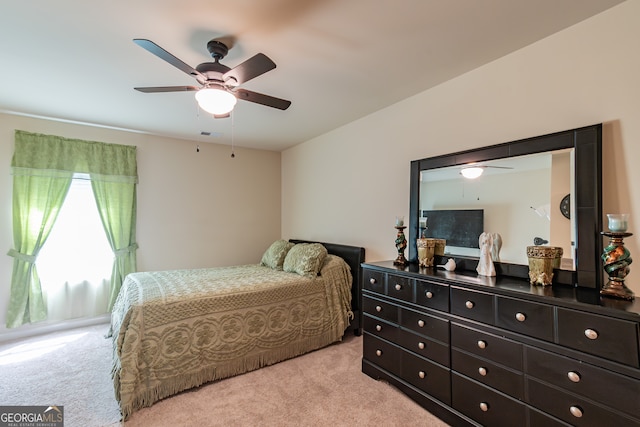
[401,245]
[617,222]
[616,258]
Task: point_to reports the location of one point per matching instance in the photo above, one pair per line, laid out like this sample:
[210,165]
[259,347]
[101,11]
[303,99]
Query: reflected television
[459,227]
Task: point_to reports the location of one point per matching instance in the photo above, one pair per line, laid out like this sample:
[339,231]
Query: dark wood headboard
[354,257]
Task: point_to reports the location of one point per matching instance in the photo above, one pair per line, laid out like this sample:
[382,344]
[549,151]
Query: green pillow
[305,259]
[274,256]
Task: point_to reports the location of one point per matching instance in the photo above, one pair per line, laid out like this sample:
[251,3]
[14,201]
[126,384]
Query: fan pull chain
[233,154]
[198,119]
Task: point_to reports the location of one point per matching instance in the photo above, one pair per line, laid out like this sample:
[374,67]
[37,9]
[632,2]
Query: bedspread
[174,330]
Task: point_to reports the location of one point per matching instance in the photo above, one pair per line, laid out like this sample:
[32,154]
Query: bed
[175,330]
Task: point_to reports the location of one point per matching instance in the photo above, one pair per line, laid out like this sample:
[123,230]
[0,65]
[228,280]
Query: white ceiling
[337,60]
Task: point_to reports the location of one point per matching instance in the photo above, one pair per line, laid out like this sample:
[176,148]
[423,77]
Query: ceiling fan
[218,90]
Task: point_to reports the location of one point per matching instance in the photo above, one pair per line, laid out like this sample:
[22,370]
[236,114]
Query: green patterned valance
[37,154]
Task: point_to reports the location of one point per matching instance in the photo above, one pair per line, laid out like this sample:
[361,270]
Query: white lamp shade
[472,172]
[216,101]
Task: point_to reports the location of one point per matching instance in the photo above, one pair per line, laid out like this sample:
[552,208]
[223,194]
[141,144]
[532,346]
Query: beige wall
[348,185]
[194,209]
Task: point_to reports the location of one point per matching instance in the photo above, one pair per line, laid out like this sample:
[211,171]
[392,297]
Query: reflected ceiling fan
[218,91]
[473,171]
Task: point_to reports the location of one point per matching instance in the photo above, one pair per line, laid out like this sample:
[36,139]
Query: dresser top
[568,296]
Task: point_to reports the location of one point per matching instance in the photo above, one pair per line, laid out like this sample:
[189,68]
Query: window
[43,168]
[75,262]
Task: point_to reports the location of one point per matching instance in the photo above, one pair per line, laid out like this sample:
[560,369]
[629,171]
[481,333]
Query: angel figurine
[495,248]
[485,265]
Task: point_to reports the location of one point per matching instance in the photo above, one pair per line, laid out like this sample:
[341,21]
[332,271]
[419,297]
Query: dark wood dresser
[477,350]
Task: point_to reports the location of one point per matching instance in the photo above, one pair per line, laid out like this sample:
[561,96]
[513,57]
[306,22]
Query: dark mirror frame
[587,144]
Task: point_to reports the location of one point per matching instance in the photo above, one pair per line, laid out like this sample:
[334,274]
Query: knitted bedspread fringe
[225,370]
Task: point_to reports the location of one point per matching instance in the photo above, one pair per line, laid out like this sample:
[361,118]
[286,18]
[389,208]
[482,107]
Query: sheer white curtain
[75,264]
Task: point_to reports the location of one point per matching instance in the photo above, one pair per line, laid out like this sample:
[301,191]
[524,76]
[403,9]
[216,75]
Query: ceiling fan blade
[156,89]
[163,54]
[249,69]
[258,98]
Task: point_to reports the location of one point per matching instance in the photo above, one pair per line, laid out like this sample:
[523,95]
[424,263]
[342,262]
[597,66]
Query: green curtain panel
[116,203]
[36,203]
[43,167]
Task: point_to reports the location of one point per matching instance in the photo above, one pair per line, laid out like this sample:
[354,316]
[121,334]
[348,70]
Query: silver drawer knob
[574,376]
[378,308]
[520,317]
[482,371]
[421,345]
[469,304]
[398,286]
[484,407]
[482,344]
[378,352]
[576,411]
[421,323]
[591,334]
[372,281]
[378,328]
[429,294]
[421,374]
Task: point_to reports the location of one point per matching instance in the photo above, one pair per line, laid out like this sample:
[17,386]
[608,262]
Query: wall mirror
[546,188]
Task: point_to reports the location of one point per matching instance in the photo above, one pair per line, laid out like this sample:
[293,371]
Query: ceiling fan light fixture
[472,172]
[216,101]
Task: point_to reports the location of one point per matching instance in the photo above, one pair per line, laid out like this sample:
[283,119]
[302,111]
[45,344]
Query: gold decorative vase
[439,246]
[426,251]
[542,261]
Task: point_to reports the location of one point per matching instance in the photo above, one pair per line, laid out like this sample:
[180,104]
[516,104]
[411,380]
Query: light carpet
[322,388]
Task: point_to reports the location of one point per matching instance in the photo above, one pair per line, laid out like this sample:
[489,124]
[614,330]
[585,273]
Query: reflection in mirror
[583,205]
[520,198]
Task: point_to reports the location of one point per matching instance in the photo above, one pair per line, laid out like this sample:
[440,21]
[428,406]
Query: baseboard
[42,328]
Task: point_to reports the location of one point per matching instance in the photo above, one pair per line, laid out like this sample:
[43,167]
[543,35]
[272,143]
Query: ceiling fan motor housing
[213,70]
[217,49]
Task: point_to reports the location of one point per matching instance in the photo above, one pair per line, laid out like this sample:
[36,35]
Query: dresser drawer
[525,317]
[427,376]
[373,280]
[381,353]
[496,349]
[425,324]
[611,389]
[485,405]
[432,295]
[497,376]
[379,308]
[573,409]
[380,328]
[424,347]
[610,338]
[400,287]
[472,304]
[537,418]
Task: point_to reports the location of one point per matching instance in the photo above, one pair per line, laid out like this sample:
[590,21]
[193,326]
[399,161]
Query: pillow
[274,256]
[305,259]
